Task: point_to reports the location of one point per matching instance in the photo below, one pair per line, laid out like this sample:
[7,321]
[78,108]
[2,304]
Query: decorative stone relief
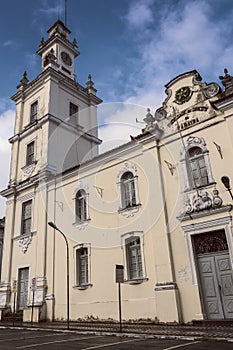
[211,90]
[160,114]
[24,242]
[196,141]
[81,186]
[202,200]
[28,169]
[127,167]
[183,274]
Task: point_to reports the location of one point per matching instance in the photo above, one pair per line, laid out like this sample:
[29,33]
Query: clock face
[66,58]
[183,95]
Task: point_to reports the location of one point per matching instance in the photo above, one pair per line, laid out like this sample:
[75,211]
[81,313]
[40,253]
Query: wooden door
[216,279]
[23,289]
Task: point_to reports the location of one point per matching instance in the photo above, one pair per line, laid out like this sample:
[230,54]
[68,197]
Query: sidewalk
[208,330]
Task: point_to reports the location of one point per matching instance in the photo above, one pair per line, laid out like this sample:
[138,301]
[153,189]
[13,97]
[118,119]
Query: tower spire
[65,12]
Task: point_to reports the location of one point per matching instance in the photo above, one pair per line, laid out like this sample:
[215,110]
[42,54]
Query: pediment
[188,101]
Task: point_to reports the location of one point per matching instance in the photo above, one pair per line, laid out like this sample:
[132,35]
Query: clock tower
[55,130]
[58,52]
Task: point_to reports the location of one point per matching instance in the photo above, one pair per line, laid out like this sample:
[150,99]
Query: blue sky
[132,48]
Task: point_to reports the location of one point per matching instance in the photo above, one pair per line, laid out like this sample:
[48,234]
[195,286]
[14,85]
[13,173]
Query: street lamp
[50,223]
[226,182]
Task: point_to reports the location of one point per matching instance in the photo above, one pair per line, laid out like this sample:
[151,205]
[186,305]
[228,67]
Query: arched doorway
[215,274]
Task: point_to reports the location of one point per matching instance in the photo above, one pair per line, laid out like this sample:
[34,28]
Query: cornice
[48,117]
[57,39]
[120,152]
[179,77]
[63,79]
[21,186]
[224,103]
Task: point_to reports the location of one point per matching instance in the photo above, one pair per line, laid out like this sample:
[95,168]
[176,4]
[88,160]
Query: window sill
[209,185]
[32,123]
[24,235]
[81,224]
[138,280]
[83,286]
[129,211]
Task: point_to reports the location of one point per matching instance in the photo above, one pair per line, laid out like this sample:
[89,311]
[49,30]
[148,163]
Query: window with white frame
[128,194]
[30,155]
[34,111]
[73,113]
[196,164]
[133,256]
[82,266]
[128,188]
[81,206]
[26,220]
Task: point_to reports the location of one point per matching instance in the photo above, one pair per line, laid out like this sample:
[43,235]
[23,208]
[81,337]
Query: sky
[132,48]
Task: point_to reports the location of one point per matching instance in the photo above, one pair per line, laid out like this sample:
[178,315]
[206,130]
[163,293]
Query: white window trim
[28,169]
[76,282]
[131,210]
[195,142]
[81,224]
[30,198]
[78,113]
[32,122]
[124,238]
[205,227]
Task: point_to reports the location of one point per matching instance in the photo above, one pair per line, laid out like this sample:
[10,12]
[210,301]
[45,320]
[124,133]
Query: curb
[127,335]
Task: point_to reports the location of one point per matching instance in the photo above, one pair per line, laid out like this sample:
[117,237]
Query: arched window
[128,193]
[196,163]
[198,170]
[81,206]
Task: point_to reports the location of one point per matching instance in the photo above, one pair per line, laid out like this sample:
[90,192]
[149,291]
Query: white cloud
[179,37]
[32,59]
[6,130]
[51,11]
[140,14]
[119,123]
[8,43]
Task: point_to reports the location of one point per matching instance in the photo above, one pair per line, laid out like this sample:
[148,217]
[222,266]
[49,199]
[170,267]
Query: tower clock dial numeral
[183,95]
[66,58]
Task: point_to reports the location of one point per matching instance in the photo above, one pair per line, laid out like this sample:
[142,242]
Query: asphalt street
[16,338]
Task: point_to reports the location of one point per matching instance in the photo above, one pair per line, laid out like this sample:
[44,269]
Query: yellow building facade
[156,205]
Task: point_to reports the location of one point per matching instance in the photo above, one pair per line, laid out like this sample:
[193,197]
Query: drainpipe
[167,226]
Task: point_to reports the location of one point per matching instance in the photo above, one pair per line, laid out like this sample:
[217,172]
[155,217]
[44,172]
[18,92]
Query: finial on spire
[90,85]
[42,42]
[74,43]
[23,81]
